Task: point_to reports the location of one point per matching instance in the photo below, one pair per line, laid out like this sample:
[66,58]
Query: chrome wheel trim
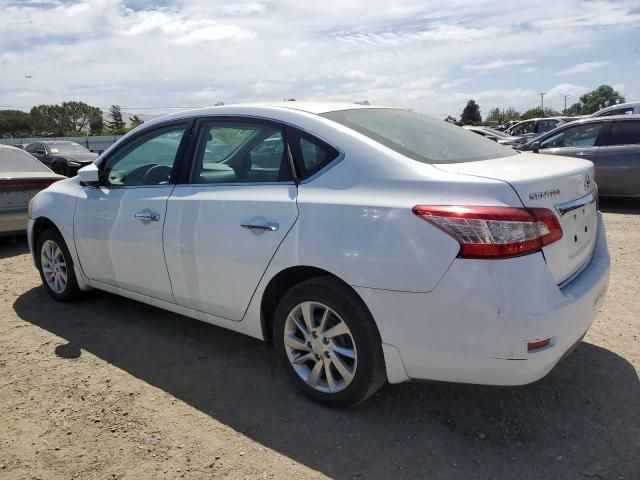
[54,267]
[320,347]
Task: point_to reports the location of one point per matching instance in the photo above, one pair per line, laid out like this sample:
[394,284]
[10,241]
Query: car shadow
[13,246]
[583,417]
[629,206]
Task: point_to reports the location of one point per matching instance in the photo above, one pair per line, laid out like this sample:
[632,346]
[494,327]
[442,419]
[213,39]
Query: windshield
[66,147]
[419,137]
[16,160]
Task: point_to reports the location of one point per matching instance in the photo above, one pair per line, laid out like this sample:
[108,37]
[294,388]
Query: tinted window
[240,152]
[523,128]
[547,125]
[31,148]
[625,133]
[16,160]
[419,137]
[577,136]
[619,111]
[148,160]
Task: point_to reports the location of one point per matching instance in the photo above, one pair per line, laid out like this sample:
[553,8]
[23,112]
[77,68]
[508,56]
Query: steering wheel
[156,175]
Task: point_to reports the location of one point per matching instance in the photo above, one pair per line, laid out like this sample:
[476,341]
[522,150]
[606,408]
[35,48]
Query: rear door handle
[147,216]
[268,226]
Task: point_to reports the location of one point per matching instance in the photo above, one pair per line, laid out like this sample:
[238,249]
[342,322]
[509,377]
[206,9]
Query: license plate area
[578,219]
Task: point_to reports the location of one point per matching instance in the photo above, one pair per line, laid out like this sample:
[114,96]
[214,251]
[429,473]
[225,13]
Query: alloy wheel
[320,347]
[54,267]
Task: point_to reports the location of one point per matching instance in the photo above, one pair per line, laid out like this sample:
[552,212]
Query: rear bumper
[475,325]
[13,222]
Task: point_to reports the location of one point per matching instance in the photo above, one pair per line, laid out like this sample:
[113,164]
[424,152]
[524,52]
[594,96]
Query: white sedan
[369,244]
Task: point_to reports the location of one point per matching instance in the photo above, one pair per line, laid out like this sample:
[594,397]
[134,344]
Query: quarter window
[148,160]
[240,152]
[311,153]
[579,136]
[625,133]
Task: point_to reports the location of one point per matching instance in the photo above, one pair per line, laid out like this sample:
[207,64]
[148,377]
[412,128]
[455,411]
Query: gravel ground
[110,388]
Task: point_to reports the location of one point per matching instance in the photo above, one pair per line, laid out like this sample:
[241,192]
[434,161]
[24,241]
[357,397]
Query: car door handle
[147,216]
[268,226]
[585,154]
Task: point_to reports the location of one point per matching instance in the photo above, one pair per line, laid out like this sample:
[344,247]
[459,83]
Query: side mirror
[535,147]
[89,175]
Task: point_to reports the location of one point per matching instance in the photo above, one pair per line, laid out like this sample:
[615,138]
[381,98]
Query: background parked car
[63,157]
[21,177]
[611,143]
[500,137]
[631,108]
[534,127]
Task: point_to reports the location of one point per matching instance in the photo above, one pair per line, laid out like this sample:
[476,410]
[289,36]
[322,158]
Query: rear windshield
[419,137]
[16,160]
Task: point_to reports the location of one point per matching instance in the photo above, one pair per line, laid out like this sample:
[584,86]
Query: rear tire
[328,343]
[56,266]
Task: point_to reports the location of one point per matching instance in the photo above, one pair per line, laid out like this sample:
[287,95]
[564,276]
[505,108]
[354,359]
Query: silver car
[630,108]
[612,143]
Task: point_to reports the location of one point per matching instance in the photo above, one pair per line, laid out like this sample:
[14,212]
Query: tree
[48,120]
[451,119]
[511,114]
[136,121]
[76,116]
[495,115]
[15,123]
[592,101]
[471,113]
[537,112]
[96,124]
[116,123]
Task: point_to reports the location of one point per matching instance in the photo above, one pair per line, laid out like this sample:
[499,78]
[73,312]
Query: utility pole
[565,103]
[542,94]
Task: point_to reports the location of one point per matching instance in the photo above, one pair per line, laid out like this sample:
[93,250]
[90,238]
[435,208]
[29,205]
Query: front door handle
[268,226]
[585,154]
[147,216]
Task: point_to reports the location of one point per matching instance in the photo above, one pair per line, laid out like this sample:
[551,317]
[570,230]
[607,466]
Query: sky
[149,55]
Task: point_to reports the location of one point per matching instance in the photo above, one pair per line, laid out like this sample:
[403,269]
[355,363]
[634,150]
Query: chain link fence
[93,143]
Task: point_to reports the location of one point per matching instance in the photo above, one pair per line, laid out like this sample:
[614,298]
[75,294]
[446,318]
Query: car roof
[263,108]
[617,106]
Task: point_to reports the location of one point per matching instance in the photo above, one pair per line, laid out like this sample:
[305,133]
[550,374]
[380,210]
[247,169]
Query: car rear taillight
[18,184]
[494,232]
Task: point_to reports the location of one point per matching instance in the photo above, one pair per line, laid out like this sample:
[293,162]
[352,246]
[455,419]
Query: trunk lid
[563,185]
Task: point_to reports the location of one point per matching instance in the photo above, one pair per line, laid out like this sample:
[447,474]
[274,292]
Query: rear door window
[579,136]
[240,151]
[624,133]
[547,125]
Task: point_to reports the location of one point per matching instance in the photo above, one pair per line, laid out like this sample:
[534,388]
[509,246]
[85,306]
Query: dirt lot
[110,388]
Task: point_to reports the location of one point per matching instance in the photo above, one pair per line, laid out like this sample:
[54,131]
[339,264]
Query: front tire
[56,266]
[327,341]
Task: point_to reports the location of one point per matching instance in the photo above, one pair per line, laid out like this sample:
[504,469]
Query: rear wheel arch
[283,281]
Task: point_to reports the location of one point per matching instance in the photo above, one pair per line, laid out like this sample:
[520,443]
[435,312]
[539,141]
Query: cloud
[421,54]
[583,68]
[496,64]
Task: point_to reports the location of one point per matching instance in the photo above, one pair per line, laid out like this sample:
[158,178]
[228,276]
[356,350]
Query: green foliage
[116,123]
[15,123]
[451,119]
[136,121]
[537,112]
[592,101]
[471,114]
[70,117]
